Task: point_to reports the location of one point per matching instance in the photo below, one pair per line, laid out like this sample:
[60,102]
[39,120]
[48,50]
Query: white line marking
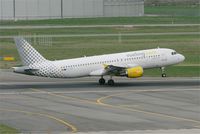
[113,91]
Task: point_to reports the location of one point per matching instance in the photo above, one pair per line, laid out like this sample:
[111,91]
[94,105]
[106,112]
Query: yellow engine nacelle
[134,72]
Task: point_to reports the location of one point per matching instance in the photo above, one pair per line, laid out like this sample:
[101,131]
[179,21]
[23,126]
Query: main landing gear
[102,81]
[163,72]
[110,81]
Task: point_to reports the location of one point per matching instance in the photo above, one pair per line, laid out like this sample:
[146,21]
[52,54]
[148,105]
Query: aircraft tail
[27,53]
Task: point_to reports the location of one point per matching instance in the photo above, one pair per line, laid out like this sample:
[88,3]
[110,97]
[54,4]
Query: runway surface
[145,105]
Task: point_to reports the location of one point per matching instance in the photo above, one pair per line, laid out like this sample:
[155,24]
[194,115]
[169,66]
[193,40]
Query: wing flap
[113,70]
[98,72]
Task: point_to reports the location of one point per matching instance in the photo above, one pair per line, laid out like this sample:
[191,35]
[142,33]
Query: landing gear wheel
[102,81]
[111,82]
[163,72]
[164,75]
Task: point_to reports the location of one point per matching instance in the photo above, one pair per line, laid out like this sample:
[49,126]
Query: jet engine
[134,72]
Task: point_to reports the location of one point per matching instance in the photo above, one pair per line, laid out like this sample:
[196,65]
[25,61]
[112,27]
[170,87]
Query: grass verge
[173,10]
[109,21]
[63,48]
[4,129]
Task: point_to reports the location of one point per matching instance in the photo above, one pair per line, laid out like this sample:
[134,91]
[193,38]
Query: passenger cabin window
[173,53]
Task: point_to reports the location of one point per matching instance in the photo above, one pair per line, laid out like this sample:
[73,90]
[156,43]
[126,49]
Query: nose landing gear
[163,72]
[164,75]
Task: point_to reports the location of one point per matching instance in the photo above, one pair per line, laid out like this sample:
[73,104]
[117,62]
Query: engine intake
[134,72]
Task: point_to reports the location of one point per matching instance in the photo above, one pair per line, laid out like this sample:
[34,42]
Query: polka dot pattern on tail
[35,61]
[27,53]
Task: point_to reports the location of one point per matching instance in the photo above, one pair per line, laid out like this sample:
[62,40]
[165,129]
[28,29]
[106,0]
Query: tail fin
[27,53]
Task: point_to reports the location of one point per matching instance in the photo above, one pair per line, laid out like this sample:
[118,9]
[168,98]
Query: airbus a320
[127,64]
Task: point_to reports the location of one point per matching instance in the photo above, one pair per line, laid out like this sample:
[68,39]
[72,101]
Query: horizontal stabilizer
[24,70]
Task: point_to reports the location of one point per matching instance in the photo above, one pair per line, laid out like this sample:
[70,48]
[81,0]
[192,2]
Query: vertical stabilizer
[27,53]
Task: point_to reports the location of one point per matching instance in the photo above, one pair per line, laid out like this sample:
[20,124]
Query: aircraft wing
[116,70]
[108,70]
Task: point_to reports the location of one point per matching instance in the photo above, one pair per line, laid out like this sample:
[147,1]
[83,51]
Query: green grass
[79,46]
[175,71]
[63,48]
[109,21]
[4,129]
[173,10]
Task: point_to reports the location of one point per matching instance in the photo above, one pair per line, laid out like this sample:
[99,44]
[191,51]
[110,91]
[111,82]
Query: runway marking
[196,126]
[8,97]
[143,79]
[57,94]
[72,127]
[100,102]
[129,105]
[77,92]
[67,97]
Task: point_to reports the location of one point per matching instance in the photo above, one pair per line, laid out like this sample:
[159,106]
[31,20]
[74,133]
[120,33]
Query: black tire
[164,75]
[102,81]
[111,82]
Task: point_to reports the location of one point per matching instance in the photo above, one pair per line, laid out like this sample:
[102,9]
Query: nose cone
[181,58]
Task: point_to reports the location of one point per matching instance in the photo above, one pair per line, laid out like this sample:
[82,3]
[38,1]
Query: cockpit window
[173,53]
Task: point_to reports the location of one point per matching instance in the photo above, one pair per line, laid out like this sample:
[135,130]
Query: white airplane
[128,64]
